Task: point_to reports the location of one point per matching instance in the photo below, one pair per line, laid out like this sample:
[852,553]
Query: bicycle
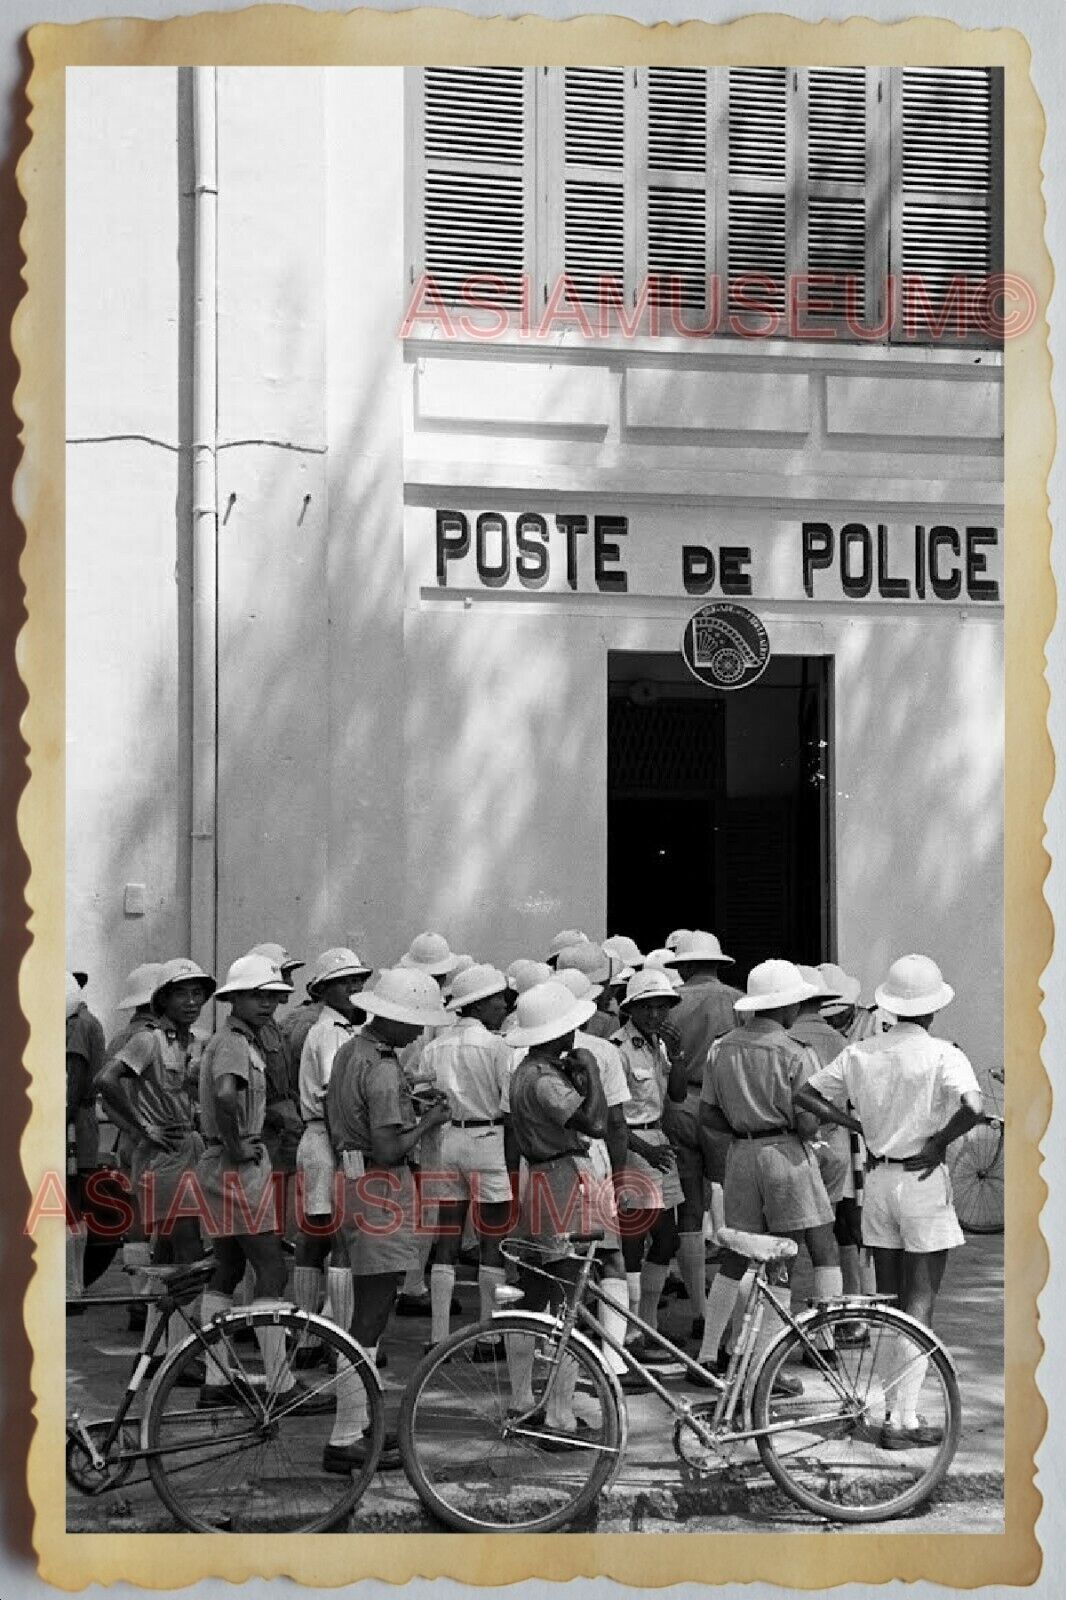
[479,1463]
[251,1463]
[976,1166]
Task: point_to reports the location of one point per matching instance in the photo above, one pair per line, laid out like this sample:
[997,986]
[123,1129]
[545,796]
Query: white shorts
[469,1165]
[316,1162]
[901,1210]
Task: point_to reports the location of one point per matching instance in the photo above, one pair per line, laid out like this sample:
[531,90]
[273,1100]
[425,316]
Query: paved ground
[650,1495]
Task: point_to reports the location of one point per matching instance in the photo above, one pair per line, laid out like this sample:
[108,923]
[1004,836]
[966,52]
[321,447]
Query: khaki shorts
[471,1167]
[903,1211]
[316,1162]
[379,1221]
[774,1186]
[666,1185]
[833,1150]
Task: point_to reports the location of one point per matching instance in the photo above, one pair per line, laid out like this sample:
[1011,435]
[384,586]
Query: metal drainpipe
[203,897]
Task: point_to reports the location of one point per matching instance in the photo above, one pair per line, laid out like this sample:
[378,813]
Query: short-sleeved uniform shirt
[752,1074]
[542,1101]
[366,1090]
[833,1145]
[471,1067]
[160,1101]
[704,1013]
[295,1025]
[904,1086]
[646,1072]
[321,1043]
[86,1051]
[609,1061]
[235,1051]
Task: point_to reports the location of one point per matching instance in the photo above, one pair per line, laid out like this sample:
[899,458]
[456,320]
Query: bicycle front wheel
[830,1449]
[248,1456]
[480,1458]
[975,1163]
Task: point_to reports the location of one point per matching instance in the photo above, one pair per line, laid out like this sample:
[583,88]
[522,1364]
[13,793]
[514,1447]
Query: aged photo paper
[468,524]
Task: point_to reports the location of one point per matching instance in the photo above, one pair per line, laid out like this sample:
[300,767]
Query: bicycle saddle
[757,1246]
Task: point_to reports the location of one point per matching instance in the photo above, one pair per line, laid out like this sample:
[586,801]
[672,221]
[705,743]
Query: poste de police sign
[725,646]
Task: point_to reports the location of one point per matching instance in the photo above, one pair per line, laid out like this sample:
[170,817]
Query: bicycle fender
[549,1323]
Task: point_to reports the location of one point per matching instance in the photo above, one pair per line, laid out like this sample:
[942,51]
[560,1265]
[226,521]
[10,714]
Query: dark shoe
[215,1396]
[656,1356]
[191,1376]
[411,1305]
[344,1458]
[696,1330]
[786,1387]
[487,1350]
[381,1360]
[137,1319]
[921,1435]
[633,1382]
[850,1335]
[304,1402]
[309,1356]
[830,1358]
[712,1373]
[558,1443]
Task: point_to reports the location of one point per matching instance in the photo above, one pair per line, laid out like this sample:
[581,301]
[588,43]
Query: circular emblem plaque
[725,646]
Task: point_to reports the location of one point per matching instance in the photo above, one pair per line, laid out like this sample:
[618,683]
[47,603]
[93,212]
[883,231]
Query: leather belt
[640,1127]
[886,1161]
[477,1122]
[765,1133]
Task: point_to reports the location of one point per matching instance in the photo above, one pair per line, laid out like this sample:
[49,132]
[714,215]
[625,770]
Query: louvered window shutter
[833,229]
[676,186]
[475,206]
[596,222]
[759,245]
[944,183]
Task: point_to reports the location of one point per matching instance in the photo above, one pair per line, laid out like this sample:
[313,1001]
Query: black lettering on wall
[855,536]
[697,568]
[817,552]
[950,587]
[979,588]
[607,554]
[732,559]
[888,588]
[453,541]
[573,527]
[531,558]
[493,574]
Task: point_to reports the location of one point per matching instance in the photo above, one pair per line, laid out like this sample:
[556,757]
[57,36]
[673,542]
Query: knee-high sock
[772,1325]
[177,1331]
[415,1279]
[441,1284]
[137,1255]
[352,1416]
[652,1279]
[77,1238]
[741,1306]
[279,1375]
[909,1389]
[849,1269]
[151,1322]
[690,1259]
[633,1292]
[306,1284]
[867,1275]
[828,1285]
[488,1280]
[217,1363]
[559,1412]
[612,1319]
[717,1310]
[341,1296]
[520,1369]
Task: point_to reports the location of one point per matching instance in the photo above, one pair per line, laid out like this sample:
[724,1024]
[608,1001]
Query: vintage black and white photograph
[535,798]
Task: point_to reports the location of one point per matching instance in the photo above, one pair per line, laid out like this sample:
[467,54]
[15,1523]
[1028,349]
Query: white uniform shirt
[903,1085]
[609,1060]
[472,1068]
[325,1037]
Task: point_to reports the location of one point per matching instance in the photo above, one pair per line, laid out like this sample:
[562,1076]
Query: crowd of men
[344,1153]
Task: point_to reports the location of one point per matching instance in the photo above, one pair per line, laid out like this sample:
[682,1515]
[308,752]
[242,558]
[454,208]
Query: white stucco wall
[394,755]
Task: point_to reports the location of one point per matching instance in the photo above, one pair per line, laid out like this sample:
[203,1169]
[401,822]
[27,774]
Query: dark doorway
[718,810]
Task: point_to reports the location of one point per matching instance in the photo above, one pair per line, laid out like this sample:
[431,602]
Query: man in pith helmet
[770,1176]
[913,1095]
[704,1015]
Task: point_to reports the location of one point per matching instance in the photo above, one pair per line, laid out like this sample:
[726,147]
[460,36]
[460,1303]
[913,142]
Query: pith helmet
[403,994]
[772,984]
[73,994]
[253,975]
[279,955]
[697,945]
[578,984]
[182,970]
[475,983]
[339,962]
[548,1011]
[429,952]
[650,984]
[462,964]
[565,938]
[839,982]
[625,950]
[672,940]
[914,987]
[141,985]
[659,958]
[523,974]
[591,959]
[824,988]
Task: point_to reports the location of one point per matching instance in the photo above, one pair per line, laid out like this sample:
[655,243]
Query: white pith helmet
[914,987]
[253,975]
[548,1011]
[772,984]
[405,994]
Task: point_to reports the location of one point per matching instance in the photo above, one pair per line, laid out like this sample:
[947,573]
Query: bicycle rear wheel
[254,1462]
[481,1467]
[978,1181]
[830,1453]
